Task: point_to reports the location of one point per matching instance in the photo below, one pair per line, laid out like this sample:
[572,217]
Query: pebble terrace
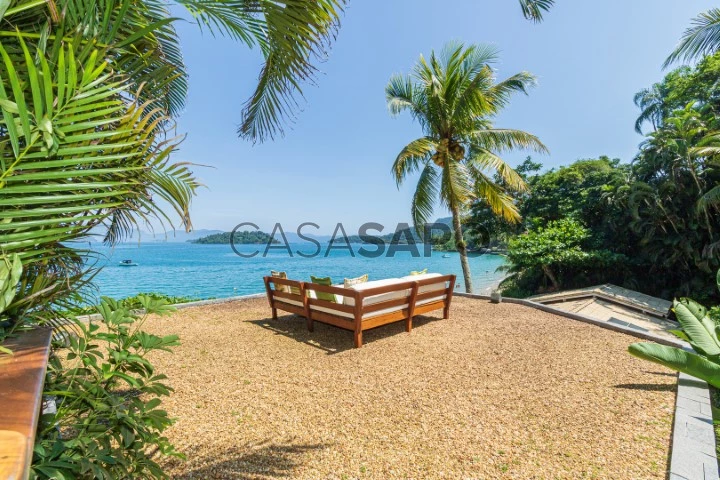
[496,391]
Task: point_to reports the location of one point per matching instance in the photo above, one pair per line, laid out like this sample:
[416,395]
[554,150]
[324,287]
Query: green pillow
[330,297]
[421,272]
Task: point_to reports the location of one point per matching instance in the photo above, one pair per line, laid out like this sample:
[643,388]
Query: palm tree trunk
[462,249]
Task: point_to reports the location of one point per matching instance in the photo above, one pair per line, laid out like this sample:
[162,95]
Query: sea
[217,271]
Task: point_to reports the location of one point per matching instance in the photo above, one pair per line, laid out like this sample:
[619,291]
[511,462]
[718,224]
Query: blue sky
[333,165]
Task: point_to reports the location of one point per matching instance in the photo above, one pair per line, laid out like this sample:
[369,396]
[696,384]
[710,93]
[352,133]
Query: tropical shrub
[560,253]
[10,271]
[703,335]
[108,423]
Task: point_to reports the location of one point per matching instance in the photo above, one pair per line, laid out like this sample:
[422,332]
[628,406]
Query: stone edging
[693,442]
[693,448]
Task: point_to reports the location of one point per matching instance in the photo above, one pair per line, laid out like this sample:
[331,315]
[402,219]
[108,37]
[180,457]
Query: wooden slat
[289,307]
[345,292]
[289,296]
[395,302]
[395,287]
[431,294]
[283,281]
[316,302]
[429,307]
[342,322]
[384,319]
[22,375]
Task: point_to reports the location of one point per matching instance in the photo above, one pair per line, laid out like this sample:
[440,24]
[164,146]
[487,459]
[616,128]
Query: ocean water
[215,271]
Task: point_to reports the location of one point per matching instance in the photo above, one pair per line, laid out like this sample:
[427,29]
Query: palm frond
[412,157]
[702,38]
[483,160]
[297,33]
[455,186]
[534,9]
[423,201]
[503,139]
[499,202]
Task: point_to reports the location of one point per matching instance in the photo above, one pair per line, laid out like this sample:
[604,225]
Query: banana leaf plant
[703,335]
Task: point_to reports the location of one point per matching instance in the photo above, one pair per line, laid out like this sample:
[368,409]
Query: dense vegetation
[239,238]
[651,224]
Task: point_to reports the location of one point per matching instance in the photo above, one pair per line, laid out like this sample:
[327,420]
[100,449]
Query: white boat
[447,255]
[127,263]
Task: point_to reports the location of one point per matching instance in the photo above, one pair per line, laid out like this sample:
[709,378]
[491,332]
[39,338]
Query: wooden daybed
[363,306]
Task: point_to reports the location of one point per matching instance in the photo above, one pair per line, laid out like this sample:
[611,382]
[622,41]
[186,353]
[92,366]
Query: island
[240,238]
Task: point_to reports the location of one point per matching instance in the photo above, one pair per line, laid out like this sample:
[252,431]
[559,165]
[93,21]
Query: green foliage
[239,238]
[701,332]
[559,253]
[108,423]
[10,271]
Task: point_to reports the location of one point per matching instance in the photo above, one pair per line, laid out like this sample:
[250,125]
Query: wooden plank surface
[22,375]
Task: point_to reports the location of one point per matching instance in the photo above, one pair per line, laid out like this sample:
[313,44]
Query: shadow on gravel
[333,339]
[253,462]
[649,387]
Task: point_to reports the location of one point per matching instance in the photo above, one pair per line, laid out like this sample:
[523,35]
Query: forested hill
[240,238]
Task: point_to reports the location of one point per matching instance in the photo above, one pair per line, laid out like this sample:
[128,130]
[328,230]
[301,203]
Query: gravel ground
[497,391]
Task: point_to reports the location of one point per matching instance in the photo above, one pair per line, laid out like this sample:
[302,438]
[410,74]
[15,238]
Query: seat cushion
[327,281]
[351,282]
[378,298]
[427,288]
[284,288]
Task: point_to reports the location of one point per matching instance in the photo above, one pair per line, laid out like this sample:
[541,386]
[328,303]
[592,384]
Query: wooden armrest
[13,452]
[371,292]
[345,292]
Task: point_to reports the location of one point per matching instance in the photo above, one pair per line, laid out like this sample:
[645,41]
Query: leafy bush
[703,335]
[561,253]
[108,423]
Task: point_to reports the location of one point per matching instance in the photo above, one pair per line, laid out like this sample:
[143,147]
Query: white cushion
[378,298]
[426,288]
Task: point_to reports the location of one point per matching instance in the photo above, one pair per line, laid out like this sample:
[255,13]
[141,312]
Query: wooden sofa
[363,306]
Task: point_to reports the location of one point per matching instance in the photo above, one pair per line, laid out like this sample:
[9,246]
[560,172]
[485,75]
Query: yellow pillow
[421,272]
[284,288]
[349,282]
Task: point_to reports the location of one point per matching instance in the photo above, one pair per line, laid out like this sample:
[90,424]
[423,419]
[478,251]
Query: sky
[333,164]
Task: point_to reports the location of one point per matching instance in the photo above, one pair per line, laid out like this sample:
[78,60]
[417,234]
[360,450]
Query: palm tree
[651,102]
[534,9]
[454,97]
[702,38]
